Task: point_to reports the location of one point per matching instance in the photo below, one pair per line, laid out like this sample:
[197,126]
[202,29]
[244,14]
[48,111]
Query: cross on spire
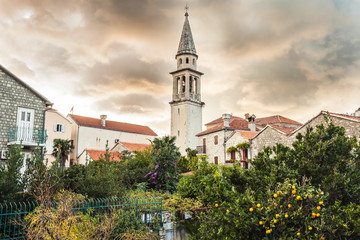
[186,9]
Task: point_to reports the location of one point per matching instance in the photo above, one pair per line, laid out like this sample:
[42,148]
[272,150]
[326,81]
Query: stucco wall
[96,138]
[52,118]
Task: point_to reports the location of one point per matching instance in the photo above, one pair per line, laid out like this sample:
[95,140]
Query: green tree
[310,191]
[11,179]
[62,149]
[164,176]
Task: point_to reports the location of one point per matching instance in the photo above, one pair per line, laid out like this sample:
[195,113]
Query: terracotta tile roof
[345,116]
[96,154]
[187,173]
[220,120]
[236,123]
[286,130]
[136,146]
[247,134]
[112,125]
[275,119]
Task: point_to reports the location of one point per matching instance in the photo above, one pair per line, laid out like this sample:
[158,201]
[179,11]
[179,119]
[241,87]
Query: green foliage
[61,150]
[164,176]
[133,170]
[231,149]
[11,179]
[318,177]
[244,145]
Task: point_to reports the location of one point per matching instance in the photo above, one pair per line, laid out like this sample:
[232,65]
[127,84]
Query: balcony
[26,136]
[201,149]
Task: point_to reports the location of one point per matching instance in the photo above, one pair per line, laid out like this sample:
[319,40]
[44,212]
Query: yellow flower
[321,202]
[277,215]
[258,205]
[322,238]
[275,204]
[227,210]
[268,208]
[280,206]
[261,223]
[251,209]
[216,205]
[286,216]
[318,207]
[298,197]
[293,191]
[313,214]
[293,187]
[350,161]
[268,231]
[275,221]
[289,205]
[318,214]
[310,197]
[275,195]
[310,228]
[298,234]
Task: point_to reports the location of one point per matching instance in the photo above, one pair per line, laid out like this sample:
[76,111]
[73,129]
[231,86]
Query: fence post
[136,209]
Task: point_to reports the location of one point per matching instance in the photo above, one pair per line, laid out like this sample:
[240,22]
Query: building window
[59,127]
[180,60]
[193,61]
[232,155]
[187,60]
[216,160]
[216,140]
[178,133]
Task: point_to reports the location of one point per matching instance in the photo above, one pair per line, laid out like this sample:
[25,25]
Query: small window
[216,140]
[193,61]
[187,60]
[180,60]
[216,160]
[59,127]
[178,133]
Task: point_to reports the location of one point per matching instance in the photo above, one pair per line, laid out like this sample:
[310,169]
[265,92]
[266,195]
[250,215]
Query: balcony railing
[26,135]
[201,149]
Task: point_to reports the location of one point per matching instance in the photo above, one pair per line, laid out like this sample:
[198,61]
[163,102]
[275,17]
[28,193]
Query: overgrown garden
[310,191]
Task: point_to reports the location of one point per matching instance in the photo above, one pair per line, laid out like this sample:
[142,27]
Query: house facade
[226,133]
[99,133]
[57,126]
[22,111]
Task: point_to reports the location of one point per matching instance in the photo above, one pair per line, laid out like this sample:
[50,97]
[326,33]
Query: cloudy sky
[292,58]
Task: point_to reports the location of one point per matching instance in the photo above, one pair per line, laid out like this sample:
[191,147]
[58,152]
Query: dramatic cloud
[113,57]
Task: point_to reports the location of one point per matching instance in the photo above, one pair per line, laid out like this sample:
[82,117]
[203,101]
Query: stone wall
[12,96]
[270,136]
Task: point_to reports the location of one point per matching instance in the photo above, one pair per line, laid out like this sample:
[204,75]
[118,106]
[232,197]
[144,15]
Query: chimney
[357,112]
[251,120]
[103,120]
[226,118]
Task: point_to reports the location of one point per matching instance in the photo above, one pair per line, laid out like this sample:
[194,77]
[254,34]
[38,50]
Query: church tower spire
[186,105]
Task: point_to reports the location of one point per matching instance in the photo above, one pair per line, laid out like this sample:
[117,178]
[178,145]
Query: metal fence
[12,215]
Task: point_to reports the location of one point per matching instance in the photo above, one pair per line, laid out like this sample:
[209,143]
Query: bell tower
[186,105]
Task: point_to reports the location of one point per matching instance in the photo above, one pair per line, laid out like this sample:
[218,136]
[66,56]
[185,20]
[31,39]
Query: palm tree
[62,149]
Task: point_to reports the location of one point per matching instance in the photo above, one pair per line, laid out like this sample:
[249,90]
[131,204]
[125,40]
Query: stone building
[95,133]
[271,135]
[22,111]
[229,131]
[186,105]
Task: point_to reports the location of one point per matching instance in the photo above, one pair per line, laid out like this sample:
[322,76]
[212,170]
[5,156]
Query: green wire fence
[12,215]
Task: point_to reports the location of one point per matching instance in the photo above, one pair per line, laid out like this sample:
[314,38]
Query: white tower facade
[186,105]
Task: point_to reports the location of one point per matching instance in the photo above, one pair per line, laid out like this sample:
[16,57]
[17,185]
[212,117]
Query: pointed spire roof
[186,45]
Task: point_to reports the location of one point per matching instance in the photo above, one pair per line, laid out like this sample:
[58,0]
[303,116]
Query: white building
[186,105]
[96,133]
[57,126]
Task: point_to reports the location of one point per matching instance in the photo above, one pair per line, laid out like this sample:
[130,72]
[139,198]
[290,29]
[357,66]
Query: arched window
[178,85]
[183,84]
[193,61]
[187,60]
[180,60]
[195,85]
[190,84]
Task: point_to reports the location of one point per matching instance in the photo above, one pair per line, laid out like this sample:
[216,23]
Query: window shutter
[55,127]
[62,128]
